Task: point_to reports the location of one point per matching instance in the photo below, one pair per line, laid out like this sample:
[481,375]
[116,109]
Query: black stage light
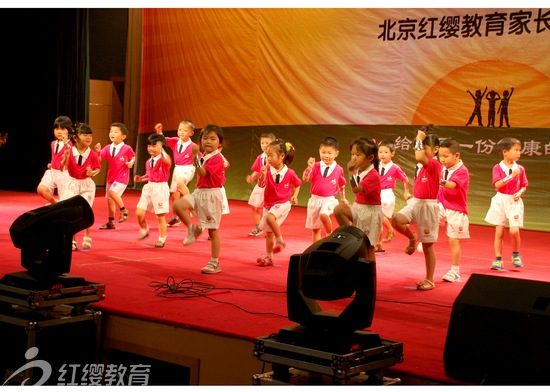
[45,235]
[332,268]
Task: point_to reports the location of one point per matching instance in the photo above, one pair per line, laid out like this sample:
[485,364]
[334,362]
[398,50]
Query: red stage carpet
[248,301]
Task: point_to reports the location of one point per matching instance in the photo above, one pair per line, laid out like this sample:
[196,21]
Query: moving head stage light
[45,236]
[333,268]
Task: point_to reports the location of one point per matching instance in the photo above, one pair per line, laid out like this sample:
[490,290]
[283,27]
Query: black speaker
[499,332]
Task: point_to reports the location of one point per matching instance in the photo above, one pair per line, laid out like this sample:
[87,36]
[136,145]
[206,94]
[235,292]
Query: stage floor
[245,301]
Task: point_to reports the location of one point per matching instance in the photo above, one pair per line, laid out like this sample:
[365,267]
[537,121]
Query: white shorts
[257,197]
[388,202]
[458,224]
[503,208]
[317,206]
[116,187]
[279,211]
[425,213]
[207,204]
[155,196]
[369,218]
[53,179]
[83,187]
[184,172]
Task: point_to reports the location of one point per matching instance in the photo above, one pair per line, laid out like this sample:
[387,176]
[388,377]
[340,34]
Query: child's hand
[517,195]
[97,147]
[293,200]
[516,172]
[158,128]
[130,164]
[89,171]
[310,162]
[137,178]
[421,135]
[263,171]
[249,179]
[352,166]
[344,201]
[195,149]
[407,195]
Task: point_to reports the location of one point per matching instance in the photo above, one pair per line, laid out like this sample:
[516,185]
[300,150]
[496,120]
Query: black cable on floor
[186,288]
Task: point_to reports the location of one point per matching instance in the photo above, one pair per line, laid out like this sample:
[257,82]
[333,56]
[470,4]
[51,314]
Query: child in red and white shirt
[510,182]
[282,187]
[453,202]
[207,199]
[366,211]
[82,164]
[389,172]
[327,181]
[423,208]
[155,195]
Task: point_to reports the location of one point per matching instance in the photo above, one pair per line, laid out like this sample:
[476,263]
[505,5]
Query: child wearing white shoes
[155,194]
[207,199]
[453,202]
[82,164]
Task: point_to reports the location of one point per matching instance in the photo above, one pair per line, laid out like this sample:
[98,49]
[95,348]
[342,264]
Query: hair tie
[288,146]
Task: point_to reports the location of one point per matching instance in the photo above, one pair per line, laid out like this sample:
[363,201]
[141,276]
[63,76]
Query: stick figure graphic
[477,106]
[41,364]
[503,108]
[492,97]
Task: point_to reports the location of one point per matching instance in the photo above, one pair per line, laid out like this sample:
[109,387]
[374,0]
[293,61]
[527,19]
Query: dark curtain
[44,73]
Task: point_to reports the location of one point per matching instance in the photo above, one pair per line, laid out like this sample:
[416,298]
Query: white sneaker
[451,276]
[213,267]
[192,235]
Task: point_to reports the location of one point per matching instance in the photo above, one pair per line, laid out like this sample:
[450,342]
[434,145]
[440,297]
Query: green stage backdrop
[242,146]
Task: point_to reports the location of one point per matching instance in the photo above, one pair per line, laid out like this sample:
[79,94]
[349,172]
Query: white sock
[455,268]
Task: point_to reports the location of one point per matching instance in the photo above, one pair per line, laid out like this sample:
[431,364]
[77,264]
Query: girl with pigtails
[282,186]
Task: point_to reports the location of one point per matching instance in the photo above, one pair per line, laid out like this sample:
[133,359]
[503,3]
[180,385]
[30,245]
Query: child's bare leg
[181,208]
[499,239]
[140,215]
[515,239]
[327,223]
[46,194]
[315,235]
[343,215]
[161,221]
[269,242]
[387,226]
[215,242]
[402,225]
[456,253]
[115,201]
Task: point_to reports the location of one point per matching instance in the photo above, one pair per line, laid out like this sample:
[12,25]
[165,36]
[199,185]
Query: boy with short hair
[120,159]
[184,170]
[510,182]
[389,172]
[327,180]
[453,202]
